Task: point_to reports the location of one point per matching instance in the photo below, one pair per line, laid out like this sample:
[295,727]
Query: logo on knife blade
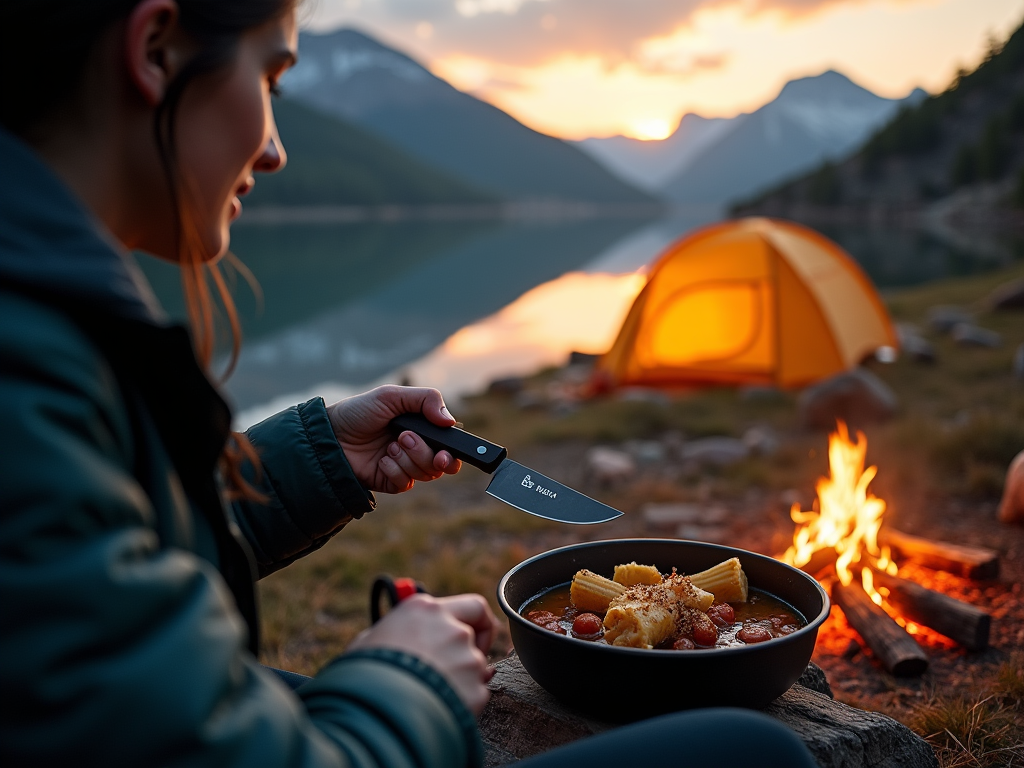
[527,482]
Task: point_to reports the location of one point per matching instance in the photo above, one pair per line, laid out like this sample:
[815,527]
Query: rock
[714,451]
[1011,508]
[584,359]
[645,451]
[968,335]
[1009,295]
[672,515]
[522,719]
[1018,362]
[886,355]
[713,534]
[508,386]
[914,345]
[608,465]
[857,397]
[761,441]
[944,318]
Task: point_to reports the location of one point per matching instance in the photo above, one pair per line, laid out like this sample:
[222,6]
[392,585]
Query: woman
[128,627]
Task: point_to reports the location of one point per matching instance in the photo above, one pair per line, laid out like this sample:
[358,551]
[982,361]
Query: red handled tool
[396,590]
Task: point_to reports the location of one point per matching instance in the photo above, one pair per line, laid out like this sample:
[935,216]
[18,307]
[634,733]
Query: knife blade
[516,485]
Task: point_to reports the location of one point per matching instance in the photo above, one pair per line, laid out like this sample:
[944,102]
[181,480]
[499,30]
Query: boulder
[761,441]
[522,719]
[914,345]
[944,318]
[856,397]
[969,335]
[714,451]
[1007,296]
[1011,508]
[646,451]
[607,466]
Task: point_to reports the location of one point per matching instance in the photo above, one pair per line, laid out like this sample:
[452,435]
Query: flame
[847,519]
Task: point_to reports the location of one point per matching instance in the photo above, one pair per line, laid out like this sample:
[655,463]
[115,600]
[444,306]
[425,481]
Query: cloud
[532,32]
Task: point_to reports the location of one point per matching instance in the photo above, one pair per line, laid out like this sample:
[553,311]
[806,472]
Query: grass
[978,730]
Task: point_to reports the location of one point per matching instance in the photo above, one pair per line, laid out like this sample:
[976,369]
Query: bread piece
[590,592]
[629,574]
[726,581]
[645,615]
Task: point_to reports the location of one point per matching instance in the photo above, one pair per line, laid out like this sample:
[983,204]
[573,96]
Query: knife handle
[463,445]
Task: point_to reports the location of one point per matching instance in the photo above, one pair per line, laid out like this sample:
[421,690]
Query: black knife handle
[463,445]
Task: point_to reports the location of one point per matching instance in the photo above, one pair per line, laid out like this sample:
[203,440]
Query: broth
[762,613]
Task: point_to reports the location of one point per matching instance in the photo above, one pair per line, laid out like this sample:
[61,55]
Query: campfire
[845,544]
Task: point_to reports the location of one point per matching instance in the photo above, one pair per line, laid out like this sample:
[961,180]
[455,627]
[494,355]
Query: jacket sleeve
[115,651]
[310,489]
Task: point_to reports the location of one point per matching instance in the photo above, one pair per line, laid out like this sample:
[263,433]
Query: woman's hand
[381,462]
[451,634]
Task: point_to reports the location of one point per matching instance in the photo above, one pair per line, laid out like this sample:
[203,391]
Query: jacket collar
[51,245]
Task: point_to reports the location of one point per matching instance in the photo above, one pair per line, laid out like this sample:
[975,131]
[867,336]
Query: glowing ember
[847,517]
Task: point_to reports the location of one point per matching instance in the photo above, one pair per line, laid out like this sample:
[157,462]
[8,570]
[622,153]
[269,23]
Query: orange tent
[751,301]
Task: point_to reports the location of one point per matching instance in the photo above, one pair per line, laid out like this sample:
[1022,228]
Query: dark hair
[45,47]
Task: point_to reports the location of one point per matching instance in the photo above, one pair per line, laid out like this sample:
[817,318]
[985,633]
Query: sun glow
[651,130]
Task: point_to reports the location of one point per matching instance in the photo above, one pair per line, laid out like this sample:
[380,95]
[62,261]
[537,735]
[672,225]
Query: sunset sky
[579,68]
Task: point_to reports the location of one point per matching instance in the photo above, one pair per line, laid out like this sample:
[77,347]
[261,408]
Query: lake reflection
[457,304]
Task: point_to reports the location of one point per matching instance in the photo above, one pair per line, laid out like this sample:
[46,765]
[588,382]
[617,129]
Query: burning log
[894,647]
[969,562]
[957,620]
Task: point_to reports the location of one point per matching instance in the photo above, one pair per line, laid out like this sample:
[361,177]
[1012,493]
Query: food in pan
[642,608]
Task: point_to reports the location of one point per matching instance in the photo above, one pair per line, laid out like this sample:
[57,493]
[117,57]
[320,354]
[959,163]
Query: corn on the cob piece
[726,581]
[591,592]
[629,574]
[646,614]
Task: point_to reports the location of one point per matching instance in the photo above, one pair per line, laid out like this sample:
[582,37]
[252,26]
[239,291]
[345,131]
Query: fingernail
[394,450]
[446,413]
[445,461]
[408,441]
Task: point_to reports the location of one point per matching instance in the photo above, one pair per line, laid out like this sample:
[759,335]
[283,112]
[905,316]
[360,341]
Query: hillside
[811,120]
[350,75]
[331,162]
[958,156]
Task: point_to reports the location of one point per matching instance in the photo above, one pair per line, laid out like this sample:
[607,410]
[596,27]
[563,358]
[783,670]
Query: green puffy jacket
[128,623]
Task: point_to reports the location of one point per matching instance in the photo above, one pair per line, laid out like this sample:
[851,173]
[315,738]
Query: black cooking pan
[623,684]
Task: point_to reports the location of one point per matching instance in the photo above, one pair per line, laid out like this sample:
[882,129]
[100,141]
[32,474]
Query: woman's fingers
[474,611]
[443,462]
[397,480]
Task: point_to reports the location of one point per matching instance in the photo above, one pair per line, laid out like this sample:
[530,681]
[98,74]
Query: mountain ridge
[957,155]
[811,118]
[349,74]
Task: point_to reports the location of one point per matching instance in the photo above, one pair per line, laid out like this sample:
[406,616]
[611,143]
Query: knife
[512,483]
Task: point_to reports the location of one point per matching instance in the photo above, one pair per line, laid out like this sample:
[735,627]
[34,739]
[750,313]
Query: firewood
[894,647]
[957,620]
[820,560]
[969,562]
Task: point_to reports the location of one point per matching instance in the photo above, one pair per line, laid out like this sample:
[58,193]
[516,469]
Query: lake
[456,304]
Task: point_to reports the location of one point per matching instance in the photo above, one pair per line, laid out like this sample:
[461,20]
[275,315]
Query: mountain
[650,165]
[350,75]
[957,157]
[331,162]
[811,120]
